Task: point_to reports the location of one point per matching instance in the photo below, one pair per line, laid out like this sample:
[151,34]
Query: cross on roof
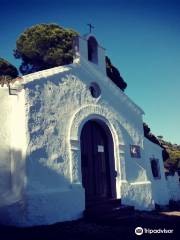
[90,27]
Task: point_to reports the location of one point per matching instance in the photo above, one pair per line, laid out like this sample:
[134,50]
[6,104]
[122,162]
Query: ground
[116,230]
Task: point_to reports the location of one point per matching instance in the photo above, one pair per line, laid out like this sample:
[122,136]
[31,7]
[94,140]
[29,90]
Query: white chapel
[69,138]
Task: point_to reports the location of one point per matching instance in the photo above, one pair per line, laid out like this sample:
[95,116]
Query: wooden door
[95,164]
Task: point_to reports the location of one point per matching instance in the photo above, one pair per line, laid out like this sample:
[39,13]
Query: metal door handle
[115,173]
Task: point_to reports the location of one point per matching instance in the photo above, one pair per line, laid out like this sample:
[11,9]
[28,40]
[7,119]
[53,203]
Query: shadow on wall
[55,77]
[18,171]
[42,179]
[43,173]
[135,169]
[5,181]
[12,173]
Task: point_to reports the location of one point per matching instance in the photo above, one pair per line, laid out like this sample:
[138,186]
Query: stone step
[109,213]
[104,202]
[107,209]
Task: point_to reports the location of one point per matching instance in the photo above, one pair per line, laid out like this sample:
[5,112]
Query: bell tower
[87,48]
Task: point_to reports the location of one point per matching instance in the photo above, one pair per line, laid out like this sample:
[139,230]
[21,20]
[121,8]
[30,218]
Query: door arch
[97,162]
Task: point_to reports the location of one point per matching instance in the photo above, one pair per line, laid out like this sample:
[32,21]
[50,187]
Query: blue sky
[141,37]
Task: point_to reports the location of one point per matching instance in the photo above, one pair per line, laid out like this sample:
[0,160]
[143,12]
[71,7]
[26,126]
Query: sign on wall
[100,148]
[135,151]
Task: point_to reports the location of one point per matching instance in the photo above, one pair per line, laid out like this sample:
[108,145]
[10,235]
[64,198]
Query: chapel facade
[69,138]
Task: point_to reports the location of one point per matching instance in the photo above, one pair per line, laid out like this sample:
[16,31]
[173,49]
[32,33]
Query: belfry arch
[92,50]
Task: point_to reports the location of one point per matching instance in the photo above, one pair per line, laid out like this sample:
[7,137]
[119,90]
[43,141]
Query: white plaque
[100,148]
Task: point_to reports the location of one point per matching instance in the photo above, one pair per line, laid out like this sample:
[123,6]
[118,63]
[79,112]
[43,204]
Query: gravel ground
[111,230]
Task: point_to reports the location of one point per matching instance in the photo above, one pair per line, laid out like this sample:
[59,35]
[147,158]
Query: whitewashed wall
[173,187]
[159,189]
[5,141]
[12,152]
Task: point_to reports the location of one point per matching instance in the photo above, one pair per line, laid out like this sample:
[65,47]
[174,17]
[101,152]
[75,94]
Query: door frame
[108,154]
[77,121]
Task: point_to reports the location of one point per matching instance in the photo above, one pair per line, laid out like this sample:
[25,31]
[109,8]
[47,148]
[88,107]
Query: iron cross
[90,27]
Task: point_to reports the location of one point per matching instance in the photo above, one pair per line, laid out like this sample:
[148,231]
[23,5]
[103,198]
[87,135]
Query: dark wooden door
[95,164]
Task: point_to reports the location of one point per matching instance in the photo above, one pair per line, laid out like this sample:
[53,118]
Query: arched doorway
[97,162]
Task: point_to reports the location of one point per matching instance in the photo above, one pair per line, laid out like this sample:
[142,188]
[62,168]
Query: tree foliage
[154,139]
[7,71]
[114,75]
[44,46]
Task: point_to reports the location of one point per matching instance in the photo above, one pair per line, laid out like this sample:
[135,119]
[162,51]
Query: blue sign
[135,151]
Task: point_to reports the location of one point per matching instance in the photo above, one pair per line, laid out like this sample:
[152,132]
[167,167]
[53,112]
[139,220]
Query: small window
[95,90]
[155,168]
